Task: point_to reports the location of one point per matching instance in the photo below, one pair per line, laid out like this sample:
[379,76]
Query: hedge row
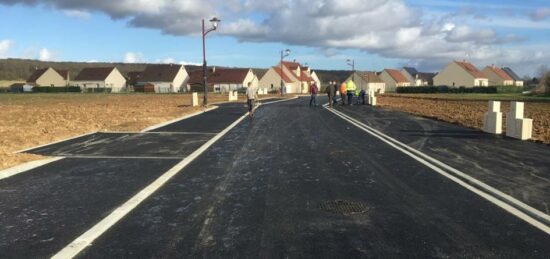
[49,89]
[445,89]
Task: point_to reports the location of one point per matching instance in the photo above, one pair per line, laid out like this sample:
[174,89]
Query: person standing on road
[350,87]
[362,96]
[331,92]
[313,90]
[343,88]
[335,88]
[251,97]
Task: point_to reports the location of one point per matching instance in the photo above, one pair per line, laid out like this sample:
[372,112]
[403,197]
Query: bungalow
[223,80]
[368,81]
[461,73]
[417,78]
[165,78]
[517,80]
[393,79]
[49,77]
[497,76]
[93,78]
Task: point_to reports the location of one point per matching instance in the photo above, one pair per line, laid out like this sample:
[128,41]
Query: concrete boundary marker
[87,238]
[6,173]
[55,142]
[515,207]
[178,119]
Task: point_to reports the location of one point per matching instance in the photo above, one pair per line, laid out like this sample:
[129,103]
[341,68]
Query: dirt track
[469,113]
[34,119]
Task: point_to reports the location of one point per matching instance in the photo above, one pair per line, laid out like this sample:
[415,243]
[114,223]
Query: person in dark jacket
[362,96]
[331,92]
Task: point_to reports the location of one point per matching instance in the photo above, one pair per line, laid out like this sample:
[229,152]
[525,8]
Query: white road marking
[159,133]
[26,167]
[278,101]
[515,207]
[86,239]
[179,119]
[55,142]
[122,157]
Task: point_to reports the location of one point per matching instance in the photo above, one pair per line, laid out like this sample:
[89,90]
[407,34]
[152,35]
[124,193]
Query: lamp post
[215,21]
[284,54]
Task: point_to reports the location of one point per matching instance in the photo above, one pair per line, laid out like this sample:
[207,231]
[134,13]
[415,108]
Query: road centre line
[159,133]
[55,142]
[87,238]
[122,157]
[517,208]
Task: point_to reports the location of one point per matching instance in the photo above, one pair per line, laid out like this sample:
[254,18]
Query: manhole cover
[344,207]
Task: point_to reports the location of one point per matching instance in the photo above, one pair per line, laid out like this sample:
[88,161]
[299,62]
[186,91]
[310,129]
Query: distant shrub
[4,89]
[49,89]
[445,89]
[98,90]
[509,89]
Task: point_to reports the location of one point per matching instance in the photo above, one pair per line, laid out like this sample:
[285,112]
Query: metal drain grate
[344,207]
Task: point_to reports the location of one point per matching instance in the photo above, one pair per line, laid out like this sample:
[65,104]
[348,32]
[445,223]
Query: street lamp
[284,54]
[351,62]
[215,21]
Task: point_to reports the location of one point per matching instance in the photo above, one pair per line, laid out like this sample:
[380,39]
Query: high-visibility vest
[343,88]
[350,86]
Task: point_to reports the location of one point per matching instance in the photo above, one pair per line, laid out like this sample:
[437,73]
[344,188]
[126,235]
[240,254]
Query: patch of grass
[479,97]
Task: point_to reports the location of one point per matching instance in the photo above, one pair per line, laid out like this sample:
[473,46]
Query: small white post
[195,100]
[517,126]
[492,120]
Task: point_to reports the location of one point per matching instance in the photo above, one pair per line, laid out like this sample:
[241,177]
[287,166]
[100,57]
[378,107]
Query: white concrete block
[516,110]
[519,128]
[492,122]
[494,106]
[373,101]
[195,100]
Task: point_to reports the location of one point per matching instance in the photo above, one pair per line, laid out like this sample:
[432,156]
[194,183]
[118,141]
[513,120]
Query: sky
[376,34]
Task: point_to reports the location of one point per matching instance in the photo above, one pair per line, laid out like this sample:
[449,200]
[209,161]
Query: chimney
[213,69]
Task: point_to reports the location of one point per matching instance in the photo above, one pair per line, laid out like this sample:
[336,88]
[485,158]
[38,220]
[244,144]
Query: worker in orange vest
[343,91]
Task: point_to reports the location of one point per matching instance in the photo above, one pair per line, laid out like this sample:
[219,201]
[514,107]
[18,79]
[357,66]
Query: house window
[271,86]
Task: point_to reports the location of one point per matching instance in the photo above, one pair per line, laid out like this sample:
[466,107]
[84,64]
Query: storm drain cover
[344,207]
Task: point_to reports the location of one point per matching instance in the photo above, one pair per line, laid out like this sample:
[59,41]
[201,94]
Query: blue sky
[324,33]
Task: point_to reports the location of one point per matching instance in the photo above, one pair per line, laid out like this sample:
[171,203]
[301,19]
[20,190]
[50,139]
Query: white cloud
[45,55]
[134,57]
[5,46]
[166,61]
[77,14]
[540,14]
[190,63]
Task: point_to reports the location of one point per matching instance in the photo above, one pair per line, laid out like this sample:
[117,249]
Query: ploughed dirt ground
[468,111]
[28,120]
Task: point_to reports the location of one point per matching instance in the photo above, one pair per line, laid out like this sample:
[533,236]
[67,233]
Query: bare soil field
[467,112]
[28,120]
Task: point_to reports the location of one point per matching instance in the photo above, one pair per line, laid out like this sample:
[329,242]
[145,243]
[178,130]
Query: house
[517,80]
[368,81]
[90,79]
[133,78]
[165,78]
[49,77]
[316,79]
[461,73]
[223,80]
[417,78]
[393,79]
[296,78]
[497,76]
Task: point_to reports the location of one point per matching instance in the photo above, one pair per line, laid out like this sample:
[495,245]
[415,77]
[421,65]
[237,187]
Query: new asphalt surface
[294,182]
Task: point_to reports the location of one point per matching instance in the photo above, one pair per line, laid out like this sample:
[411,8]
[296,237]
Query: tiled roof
[304,77]
[228,75]
[285,77]
[160,73]
[291,65]
[370,77]
[411,70]
[500,73]
[428,77]
[134,77]
[37,74]
[63,72]
[397,76]
[471,69]
[511,73]
[94,74]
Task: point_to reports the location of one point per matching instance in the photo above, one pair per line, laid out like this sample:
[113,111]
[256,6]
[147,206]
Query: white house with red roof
[461,73]
[497,76]
[393,79]
[296,78]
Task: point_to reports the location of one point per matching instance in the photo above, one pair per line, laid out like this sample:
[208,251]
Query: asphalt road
[294,182]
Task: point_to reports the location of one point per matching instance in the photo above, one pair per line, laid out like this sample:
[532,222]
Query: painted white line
[278,101]
[179,119]
[122,157]
[87,238]
[55,142]
[159,133]
[26,167]
[515,207]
